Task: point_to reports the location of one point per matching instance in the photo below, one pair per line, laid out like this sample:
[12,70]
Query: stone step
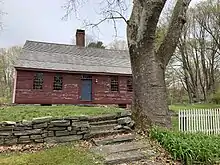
[104,122]
[103,133]
[117,148]
[114,139]
[103,127]
[103,117]
[124,157]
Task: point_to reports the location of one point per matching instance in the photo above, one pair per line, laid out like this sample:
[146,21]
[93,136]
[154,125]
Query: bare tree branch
[143,21]
[103,20]
[117,12]
[69,7]
[168,46]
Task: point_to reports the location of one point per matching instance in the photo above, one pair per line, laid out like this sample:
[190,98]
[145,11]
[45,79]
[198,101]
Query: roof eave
[68,71]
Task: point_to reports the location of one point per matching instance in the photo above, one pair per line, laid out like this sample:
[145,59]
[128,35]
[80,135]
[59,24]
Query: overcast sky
[41,20]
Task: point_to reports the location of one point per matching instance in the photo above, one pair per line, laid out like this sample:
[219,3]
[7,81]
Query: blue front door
[86,90]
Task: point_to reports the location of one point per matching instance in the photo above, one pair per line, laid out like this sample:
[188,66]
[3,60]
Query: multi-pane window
[114,83]
[129,85]
[38,81]
[58,82]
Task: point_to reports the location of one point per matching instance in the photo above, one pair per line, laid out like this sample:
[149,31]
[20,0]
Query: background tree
[7,57]
[98,44]
[197,57]
[147,62]
[89,38]
[1,14]
[118,45]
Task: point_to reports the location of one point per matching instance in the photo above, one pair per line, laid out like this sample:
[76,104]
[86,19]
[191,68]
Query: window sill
[57,90]
[37,89]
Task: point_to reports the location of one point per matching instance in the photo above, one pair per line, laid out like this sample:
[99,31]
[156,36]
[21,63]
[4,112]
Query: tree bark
[148,65]
[150,99]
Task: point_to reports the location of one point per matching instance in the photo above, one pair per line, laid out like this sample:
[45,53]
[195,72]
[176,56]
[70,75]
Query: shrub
[3,100]
[189,148]
[216,98]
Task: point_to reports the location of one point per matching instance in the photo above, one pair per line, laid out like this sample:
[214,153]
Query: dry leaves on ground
[25,148]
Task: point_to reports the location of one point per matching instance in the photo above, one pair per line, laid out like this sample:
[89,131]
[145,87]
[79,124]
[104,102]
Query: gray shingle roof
[42,55]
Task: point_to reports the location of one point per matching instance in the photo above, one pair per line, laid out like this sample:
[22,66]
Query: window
[129,85]
[58,82]
[114,83]
[38,81]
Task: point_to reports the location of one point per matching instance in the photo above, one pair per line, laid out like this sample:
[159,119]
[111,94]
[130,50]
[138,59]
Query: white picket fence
[200,120]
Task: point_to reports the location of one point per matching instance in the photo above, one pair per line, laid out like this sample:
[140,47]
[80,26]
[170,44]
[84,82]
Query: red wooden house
[49,73]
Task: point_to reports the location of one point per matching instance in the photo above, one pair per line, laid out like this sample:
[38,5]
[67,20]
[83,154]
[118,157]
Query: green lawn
[193,106]
[175,123]
[17,113]
[60,155]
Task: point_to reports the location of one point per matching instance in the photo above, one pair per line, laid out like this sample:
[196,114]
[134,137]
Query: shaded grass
[60,155]
[189,148]
[17,113]
[193,106]
[175,123]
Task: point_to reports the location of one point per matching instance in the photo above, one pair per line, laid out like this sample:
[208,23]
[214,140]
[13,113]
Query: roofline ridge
[45,42]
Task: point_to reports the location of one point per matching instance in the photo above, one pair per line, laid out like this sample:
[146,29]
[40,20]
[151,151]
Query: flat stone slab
[40,125]
[42,119]
[125,113]
[102,117]
[98,133]
[114,139]
[105,122]
[124,157]
[27,132]
[143,162]
[60,123]
[63,139]
[124,120]
[7,123]
[103,127]
[123,147]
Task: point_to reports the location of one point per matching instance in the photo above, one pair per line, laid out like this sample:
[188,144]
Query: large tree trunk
[148,64]
[149,103]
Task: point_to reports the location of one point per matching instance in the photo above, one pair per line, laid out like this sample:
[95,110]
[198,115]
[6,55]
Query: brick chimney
[80,37]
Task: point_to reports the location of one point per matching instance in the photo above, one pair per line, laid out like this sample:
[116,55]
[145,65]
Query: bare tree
[199,52]
[1,14]
[147,62]
[7,57]
[98,44]
[118,45]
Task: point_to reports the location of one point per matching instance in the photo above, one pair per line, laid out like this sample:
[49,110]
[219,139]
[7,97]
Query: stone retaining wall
[55,130]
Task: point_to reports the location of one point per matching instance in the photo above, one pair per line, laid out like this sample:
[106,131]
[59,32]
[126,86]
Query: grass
[193,106]
[175,123]
[189,148]
[17,113]
[62,155]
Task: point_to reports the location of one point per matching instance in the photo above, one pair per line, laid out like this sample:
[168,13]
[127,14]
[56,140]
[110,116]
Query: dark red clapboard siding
[101,94]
